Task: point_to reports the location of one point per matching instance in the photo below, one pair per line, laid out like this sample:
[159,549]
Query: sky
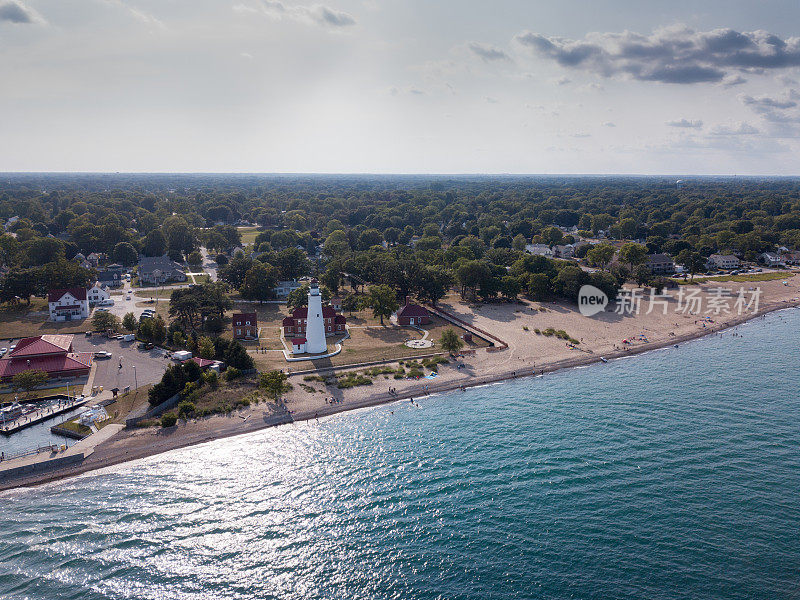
[401,86]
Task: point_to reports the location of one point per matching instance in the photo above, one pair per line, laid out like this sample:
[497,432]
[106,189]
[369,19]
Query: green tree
[600,255]
[633,254]
[205,347]
[103,321]
[450,341]
[155,244]
[125,254]
[129,322]
[382,299]
[274,383]
[259,282]
[195,259]
[692,261]
[299,297]
[29,380]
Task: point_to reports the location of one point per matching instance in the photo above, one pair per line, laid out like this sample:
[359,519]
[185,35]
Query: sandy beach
[528,353]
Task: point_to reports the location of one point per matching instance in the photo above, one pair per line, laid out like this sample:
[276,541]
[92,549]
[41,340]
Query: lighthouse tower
[315,325]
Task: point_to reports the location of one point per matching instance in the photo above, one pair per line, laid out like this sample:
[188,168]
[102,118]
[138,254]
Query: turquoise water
[675,474]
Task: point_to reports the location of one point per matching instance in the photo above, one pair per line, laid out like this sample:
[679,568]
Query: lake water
[674,474]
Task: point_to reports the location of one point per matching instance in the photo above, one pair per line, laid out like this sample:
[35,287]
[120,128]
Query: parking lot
[150,364]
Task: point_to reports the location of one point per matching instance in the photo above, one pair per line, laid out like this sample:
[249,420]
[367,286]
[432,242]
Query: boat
[11,412]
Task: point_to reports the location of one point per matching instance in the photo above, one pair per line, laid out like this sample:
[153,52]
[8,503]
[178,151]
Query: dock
[16,426]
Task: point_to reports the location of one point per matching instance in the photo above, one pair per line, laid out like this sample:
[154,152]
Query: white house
[97,294]
[299,345]
[770,259]
[539,250]
[723,261]
[69,304]
[284,288]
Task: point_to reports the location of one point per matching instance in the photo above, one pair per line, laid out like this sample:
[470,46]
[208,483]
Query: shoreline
[411,392]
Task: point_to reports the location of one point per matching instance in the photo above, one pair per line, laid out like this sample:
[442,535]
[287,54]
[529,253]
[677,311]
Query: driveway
[209,265]
[150,364]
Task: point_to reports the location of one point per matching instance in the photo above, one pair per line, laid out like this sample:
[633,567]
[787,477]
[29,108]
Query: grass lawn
[369,341]
[740,278]
[25,321]
[55,391]
[248,234]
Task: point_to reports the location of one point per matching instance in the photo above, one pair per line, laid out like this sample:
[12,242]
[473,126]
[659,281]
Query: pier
[14,426]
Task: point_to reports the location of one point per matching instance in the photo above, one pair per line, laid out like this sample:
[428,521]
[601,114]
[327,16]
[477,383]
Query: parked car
[145,346]
[100,310]
[128,337]
[12,347]
[88,334]
[109,302]
[3,351]
[102,354]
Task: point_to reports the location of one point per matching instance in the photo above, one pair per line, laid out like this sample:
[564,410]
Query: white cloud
[686,123]
[317,14]
[14,11]
[487,52]
[676,54]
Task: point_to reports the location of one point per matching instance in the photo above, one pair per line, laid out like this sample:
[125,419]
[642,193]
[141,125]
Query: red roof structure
[412,314]
[50,353]
[42,345]
[301,312]
[77,292]
[296,341]
[203,363]
[239,319]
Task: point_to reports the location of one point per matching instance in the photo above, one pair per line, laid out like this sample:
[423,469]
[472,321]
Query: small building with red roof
[295,325]
[412,315]
[245,326]
[69,304]
[298,345]
[52,354]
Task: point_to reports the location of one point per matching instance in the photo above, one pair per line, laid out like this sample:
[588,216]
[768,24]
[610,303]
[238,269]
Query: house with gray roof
[157,270]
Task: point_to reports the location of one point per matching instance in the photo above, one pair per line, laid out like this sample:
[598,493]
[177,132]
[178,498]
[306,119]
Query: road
[209,265]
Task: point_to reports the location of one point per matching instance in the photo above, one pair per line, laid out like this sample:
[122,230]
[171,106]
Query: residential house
[284,288]
[770,259]
[296,324]
[52,354]
[95,257]
[539,250]
[412,315]
[97,293]
[69,304]
[661,264]
[723,261]
[791,257]
[564,251]
[245,326]
[336,304]
[156,270]
[112,276]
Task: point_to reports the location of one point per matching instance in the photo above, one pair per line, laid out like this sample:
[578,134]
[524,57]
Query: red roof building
[412,315]
[50,353]
[296,324]
[245,326]
[68,304]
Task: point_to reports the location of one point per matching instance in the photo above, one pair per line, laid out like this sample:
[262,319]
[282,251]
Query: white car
[3,351]
[12,347]
[108,302]
[102,354]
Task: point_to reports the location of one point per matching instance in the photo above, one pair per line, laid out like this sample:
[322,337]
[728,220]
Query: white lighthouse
[315,325]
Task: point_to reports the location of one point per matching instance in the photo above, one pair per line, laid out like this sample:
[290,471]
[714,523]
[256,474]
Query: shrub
[537,331]
[415,373]
[168,420]
[549,332]
[211,378]
[186,409]
[232,373]
[525,328]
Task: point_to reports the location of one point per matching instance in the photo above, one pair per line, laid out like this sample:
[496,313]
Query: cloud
[16,12]
[784,108]
[676,54]
[487,52]
[685,123]
[609,124]
[732,80]
[562,81]
[137,14]
[316,14]
[740,128]
[492,100]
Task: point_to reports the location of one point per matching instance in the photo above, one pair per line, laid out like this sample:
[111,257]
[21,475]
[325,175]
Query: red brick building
[412,314]
[50,353]
[245,326]
[295,326]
